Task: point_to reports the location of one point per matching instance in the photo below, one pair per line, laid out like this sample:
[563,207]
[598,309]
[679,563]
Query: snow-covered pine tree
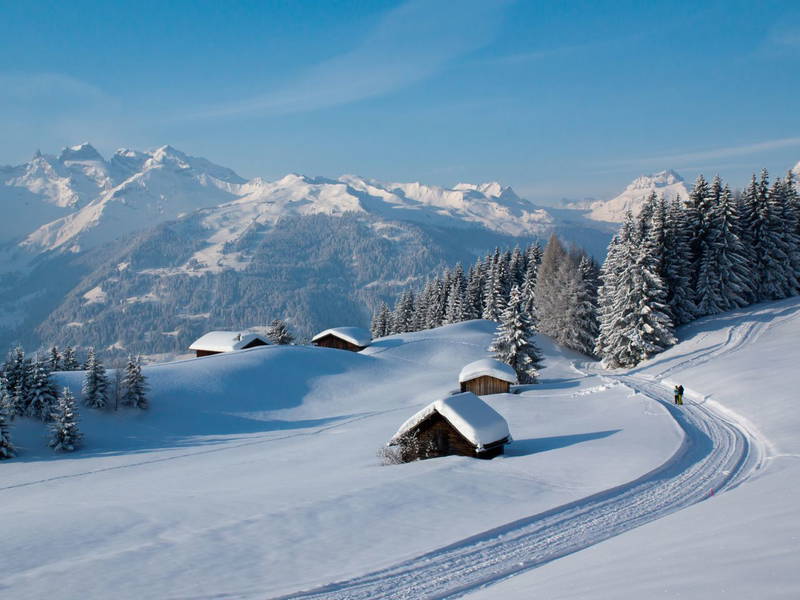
[606,293]
[403,317]
[528,291]
[95,383]
[763,235]
[723,282]
[380,325]
[516,267]
[64,433]
[134,384]
[695,221]
[581,317]
[278,333]
[678,264]
[434,316]
[422,302]
[42,393]
[69,361]
[493,297]
[456,297]
[55,359]
[16,375]
[473,307]
[513,343]
[6,446]
[791,224]
[636,325]
[784,224]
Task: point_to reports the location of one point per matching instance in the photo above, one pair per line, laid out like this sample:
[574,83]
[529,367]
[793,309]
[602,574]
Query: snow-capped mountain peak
[80,153]
[667,183]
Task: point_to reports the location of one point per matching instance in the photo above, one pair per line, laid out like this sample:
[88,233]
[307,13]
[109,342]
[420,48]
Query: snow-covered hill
[665,183]
[255,474]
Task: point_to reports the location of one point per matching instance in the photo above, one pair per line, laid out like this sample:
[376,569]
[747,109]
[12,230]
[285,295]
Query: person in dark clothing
[677,394]
[680,394]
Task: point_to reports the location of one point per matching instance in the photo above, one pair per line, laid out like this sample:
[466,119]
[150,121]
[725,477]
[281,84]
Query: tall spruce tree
[403,317]
[381,325]
[513,343]
[473,298]
[64,433]
[581,318]
[95,383]
[635,325]
[134,384]
[678,264]
[55,359]
[42,394]
[764,236]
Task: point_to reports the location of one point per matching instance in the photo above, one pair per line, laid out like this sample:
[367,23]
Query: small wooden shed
[354,339]
[461,424]
[216,342]
[487,376]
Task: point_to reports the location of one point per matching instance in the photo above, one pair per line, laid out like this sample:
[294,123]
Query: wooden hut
[216,342]
[354,339]
[461,424]
[487,376]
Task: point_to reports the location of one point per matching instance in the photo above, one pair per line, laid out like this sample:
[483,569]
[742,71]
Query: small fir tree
[69,361]
[279,333]
[95,384]
[64,433]
[513,343]
[55,359]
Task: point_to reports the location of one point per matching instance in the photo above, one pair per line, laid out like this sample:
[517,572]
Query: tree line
[676,261]
[681,260]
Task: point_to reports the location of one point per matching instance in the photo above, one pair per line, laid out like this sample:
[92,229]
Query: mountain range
[146,250]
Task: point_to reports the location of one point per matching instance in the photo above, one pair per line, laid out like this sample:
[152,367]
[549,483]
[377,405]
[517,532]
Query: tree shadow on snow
[535,445]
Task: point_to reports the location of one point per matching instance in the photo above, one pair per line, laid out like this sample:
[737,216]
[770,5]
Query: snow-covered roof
[472,417]
[225,341]
[488,366]
[355,335]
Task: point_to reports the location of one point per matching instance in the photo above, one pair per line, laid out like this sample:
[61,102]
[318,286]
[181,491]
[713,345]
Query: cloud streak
[717,153]
[410,44]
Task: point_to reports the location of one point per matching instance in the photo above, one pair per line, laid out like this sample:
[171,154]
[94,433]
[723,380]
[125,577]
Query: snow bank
[488,367]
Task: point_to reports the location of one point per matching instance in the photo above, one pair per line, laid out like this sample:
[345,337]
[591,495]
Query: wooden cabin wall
[435,436]
[206,353]
[482,386]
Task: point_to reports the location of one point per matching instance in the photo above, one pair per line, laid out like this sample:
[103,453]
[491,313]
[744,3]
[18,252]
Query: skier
[678,394]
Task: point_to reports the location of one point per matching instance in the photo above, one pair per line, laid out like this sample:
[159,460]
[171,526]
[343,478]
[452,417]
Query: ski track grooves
[717,454]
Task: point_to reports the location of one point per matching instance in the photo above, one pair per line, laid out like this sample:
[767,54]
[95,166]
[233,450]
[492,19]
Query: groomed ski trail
[718,453]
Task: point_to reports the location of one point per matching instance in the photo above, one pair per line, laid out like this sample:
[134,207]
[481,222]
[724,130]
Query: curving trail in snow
[718,453]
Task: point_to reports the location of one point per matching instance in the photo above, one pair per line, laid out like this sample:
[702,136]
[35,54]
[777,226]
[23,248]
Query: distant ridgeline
[679,260]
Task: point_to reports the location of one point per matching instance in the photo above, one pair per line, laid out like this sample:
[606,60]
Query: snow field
[255,474]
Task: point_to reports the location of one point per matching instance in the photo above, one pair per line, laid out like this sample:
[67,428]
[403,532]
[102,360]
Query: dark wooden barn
[216,342]
[487,376]
[354,339]
[461,424]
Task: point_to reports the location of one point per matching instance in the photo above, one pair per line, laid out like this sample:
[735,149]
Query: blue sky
[557,99]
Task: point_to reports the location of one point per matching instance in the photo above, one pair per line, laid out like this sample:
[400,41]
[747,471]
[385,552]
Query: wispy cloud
[410,43]
[676,160]
[782,40]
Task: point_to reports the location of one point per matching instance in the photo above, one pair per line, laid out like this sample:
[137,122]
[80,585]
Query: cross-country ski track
[719,452]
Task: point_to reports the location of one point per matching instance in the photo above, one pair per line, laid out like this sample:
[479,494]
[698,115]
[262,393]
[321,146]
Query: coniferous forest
[674,262]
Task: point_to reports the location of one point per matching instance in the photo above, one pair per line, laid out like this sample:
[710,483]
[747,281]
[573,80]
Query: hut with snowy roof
[354,339]
[460,424]
[487,376]
[216,342]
